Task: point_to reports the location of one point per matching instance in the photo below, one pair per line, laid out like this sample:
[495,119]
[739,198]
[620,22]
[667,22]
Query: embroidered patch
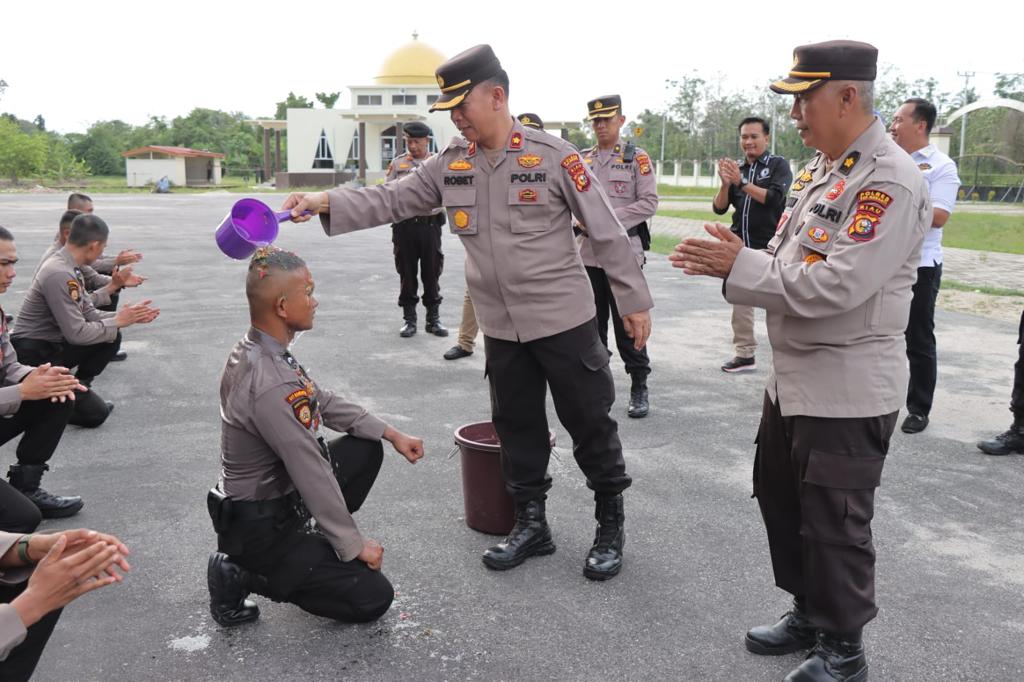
[528,195]
[517,141]
[875,197]
[805,176]
[836,191]
[74,290]
[924,166]
[404,166]
[529,160]
[818,235]
[829,213]
[461,219]
[299,402]
[570,160]
[862,229]
[644,162]
[849,162]
[577,172]
[460,165]
[797,186]
[620,187]
[813,258]
[764,173]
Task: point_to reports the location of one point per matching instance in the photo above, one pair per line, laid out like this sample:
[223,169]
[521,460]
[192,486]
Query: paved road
[948,529]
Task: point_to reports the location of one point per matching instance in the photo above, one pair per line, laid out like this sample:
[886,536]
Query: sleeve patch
[74,290]
[644,162]
[574,166]
[299,402]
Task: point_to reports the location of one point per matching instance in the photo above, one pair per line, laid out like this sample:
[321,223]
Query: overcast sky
[78,63]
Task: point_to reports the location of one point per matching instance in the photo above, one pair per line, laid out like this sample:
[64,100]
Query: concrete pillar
[678,170]
[362,152]
[277,150]
[659,173]
[266,154]
[217,174]
[696,173]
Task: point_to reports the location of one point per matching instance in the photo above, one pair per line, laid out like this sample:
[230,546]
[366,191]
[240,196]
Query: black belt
[256,510]
[420,220]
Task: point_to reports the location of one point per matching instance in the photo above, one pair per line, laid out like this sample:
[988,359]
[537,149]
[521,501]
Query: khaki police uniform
[531,295]
[633,192]
[276,463]
[836,284]
[94,281]
[417,246]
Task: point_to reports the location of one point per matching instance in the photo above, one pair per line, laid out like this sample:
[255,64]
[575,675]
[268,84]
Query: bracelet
[23,549]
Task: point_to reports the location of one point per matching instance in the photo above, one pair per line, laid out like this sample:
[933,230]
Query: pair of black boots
[531,536]
[1009,442]
[25,478]
[434,325]
[833,656]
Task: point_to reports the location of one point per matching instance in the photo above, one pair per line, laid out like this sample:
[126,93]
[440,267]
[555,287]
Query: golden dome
[412,64]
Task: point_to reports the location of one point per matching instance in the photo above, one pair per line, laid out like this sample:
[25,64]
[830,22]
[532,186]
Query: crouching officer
[417,241]
[836,283]
[36,402]
[58,323]
[627,176]
[276,465]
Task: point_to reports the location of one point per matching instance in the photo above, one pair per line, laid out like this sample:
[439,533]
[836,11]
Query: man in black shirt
[757,190]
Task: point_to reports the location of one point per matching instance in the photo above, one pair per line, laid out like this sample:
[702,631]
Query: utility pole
[661,157]
[967,76]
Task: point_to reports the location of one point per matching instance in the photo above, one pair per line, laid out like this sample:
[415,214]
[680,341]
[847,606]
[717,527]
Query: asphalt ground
[948,533]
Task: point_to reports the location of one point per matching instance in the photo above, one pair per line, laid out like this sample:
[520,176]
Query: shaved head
[271,273]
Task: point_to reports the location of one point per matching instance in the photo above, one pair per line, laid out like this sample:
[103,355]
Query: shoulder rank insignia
[472,149]
[516,141]
[529,160]
[849,162]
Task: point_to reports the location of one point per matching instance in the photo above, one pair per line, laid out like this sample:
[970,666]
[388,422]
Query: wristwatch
[743,182]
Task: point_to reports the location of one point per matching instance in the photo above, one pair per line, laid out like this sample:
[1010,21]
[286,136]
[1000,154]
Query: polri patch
[461,219]
[577,172]
[836,190]
[818,234]
[529,160]
[862,229]
[644,162]
[875,197]
[299,402]
[528,196]
[74,290]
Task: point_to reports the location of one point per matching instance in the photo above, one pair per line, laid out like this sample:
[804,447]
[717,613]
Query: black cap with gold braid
[837,60]
[531,121]
[457,76]
[604,107]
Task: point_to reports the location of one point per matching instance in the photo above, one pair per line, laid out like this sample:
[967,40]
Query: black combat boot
[409,328]
[26,477]
[530,536]
[434,325]
[1008,442]
[604,560]
[229,585]
[638,404]
[793,632]
[834,658]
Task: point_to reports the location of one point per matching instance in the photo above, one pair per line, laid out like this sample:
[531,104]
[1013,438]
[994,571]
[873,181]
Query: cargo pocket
[596,357]
[838,497]
[461,207]
[528,209]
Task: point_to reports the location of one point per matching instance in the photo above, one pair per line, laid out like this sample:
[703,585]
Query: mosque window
[369,100]
[323,157]
[432,98]
[403,99]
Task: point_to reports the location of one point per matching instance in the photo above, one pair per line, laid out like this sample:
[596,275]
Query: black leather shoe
[793,632]
[408,329]
[833,658]
[26,478]
[434,325]
[914,423]
[530,536]
[1008,442]
[639,404]
[119,356]
[604,560]
[456,353]
[229,587]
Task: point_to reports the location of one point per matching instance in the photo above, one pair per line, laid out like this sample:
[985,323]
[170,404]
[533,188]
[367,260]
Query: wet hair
[77,199]
[5,235]
[264,263]
[923,111]
[754,119]
[68,217]
[86,229]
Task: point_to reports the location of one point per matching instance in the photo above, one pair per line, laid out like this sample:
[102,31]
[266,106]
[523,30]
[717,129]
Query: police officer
[627,177]
[1011,441]
[276,465]
[531,121]
[417,241]
[58,323]
[36,402]
[510,192]
[836,283]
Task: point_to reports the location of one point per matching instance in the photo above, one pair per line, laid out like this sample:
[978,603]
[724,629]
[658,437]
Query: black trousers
[1017,397]
[417,245]
[18,514]
[638,364]
[574,363]
[90,360]
[815,480]
[43,424]
[303,568]
[920,337]
[22,660]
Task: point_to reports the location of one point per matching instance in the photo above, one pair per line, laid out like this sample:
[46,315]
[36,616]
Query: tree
[1008,85]
[3,86]
[291,102]
[101,146]
[21,154]
[328,99]
[40,122]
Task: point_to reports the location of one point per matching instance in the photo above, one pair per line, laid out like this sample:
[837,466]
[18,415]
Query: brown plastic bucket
[489,507]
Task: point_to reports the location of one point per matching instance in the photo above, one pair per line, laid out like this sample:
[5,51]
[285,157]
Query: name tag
[457,180]
[529,178]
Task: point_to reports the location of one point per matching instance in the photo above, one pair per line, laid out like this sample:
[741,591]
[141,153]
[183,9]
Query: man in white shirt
[911,126]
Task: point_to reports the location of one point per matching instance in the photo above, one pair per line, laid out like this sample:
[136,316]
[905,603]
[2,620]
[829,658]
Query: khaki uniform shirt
[94,281]
[631,188]
[522,266]
[404,165]
[12,630]
[836,281]
[272,414]
[11,372]
[58,309]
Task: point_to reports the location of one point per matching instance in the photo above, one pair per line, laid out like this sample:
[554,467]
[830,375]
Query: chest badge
[529,160]
[460,165]
[461,219]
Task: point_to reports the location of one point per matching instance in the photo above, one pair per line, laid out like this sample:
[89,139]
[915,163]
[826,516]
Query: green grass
[985,232]
[673,192]
[661,243]
[706,216]
[992,291]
